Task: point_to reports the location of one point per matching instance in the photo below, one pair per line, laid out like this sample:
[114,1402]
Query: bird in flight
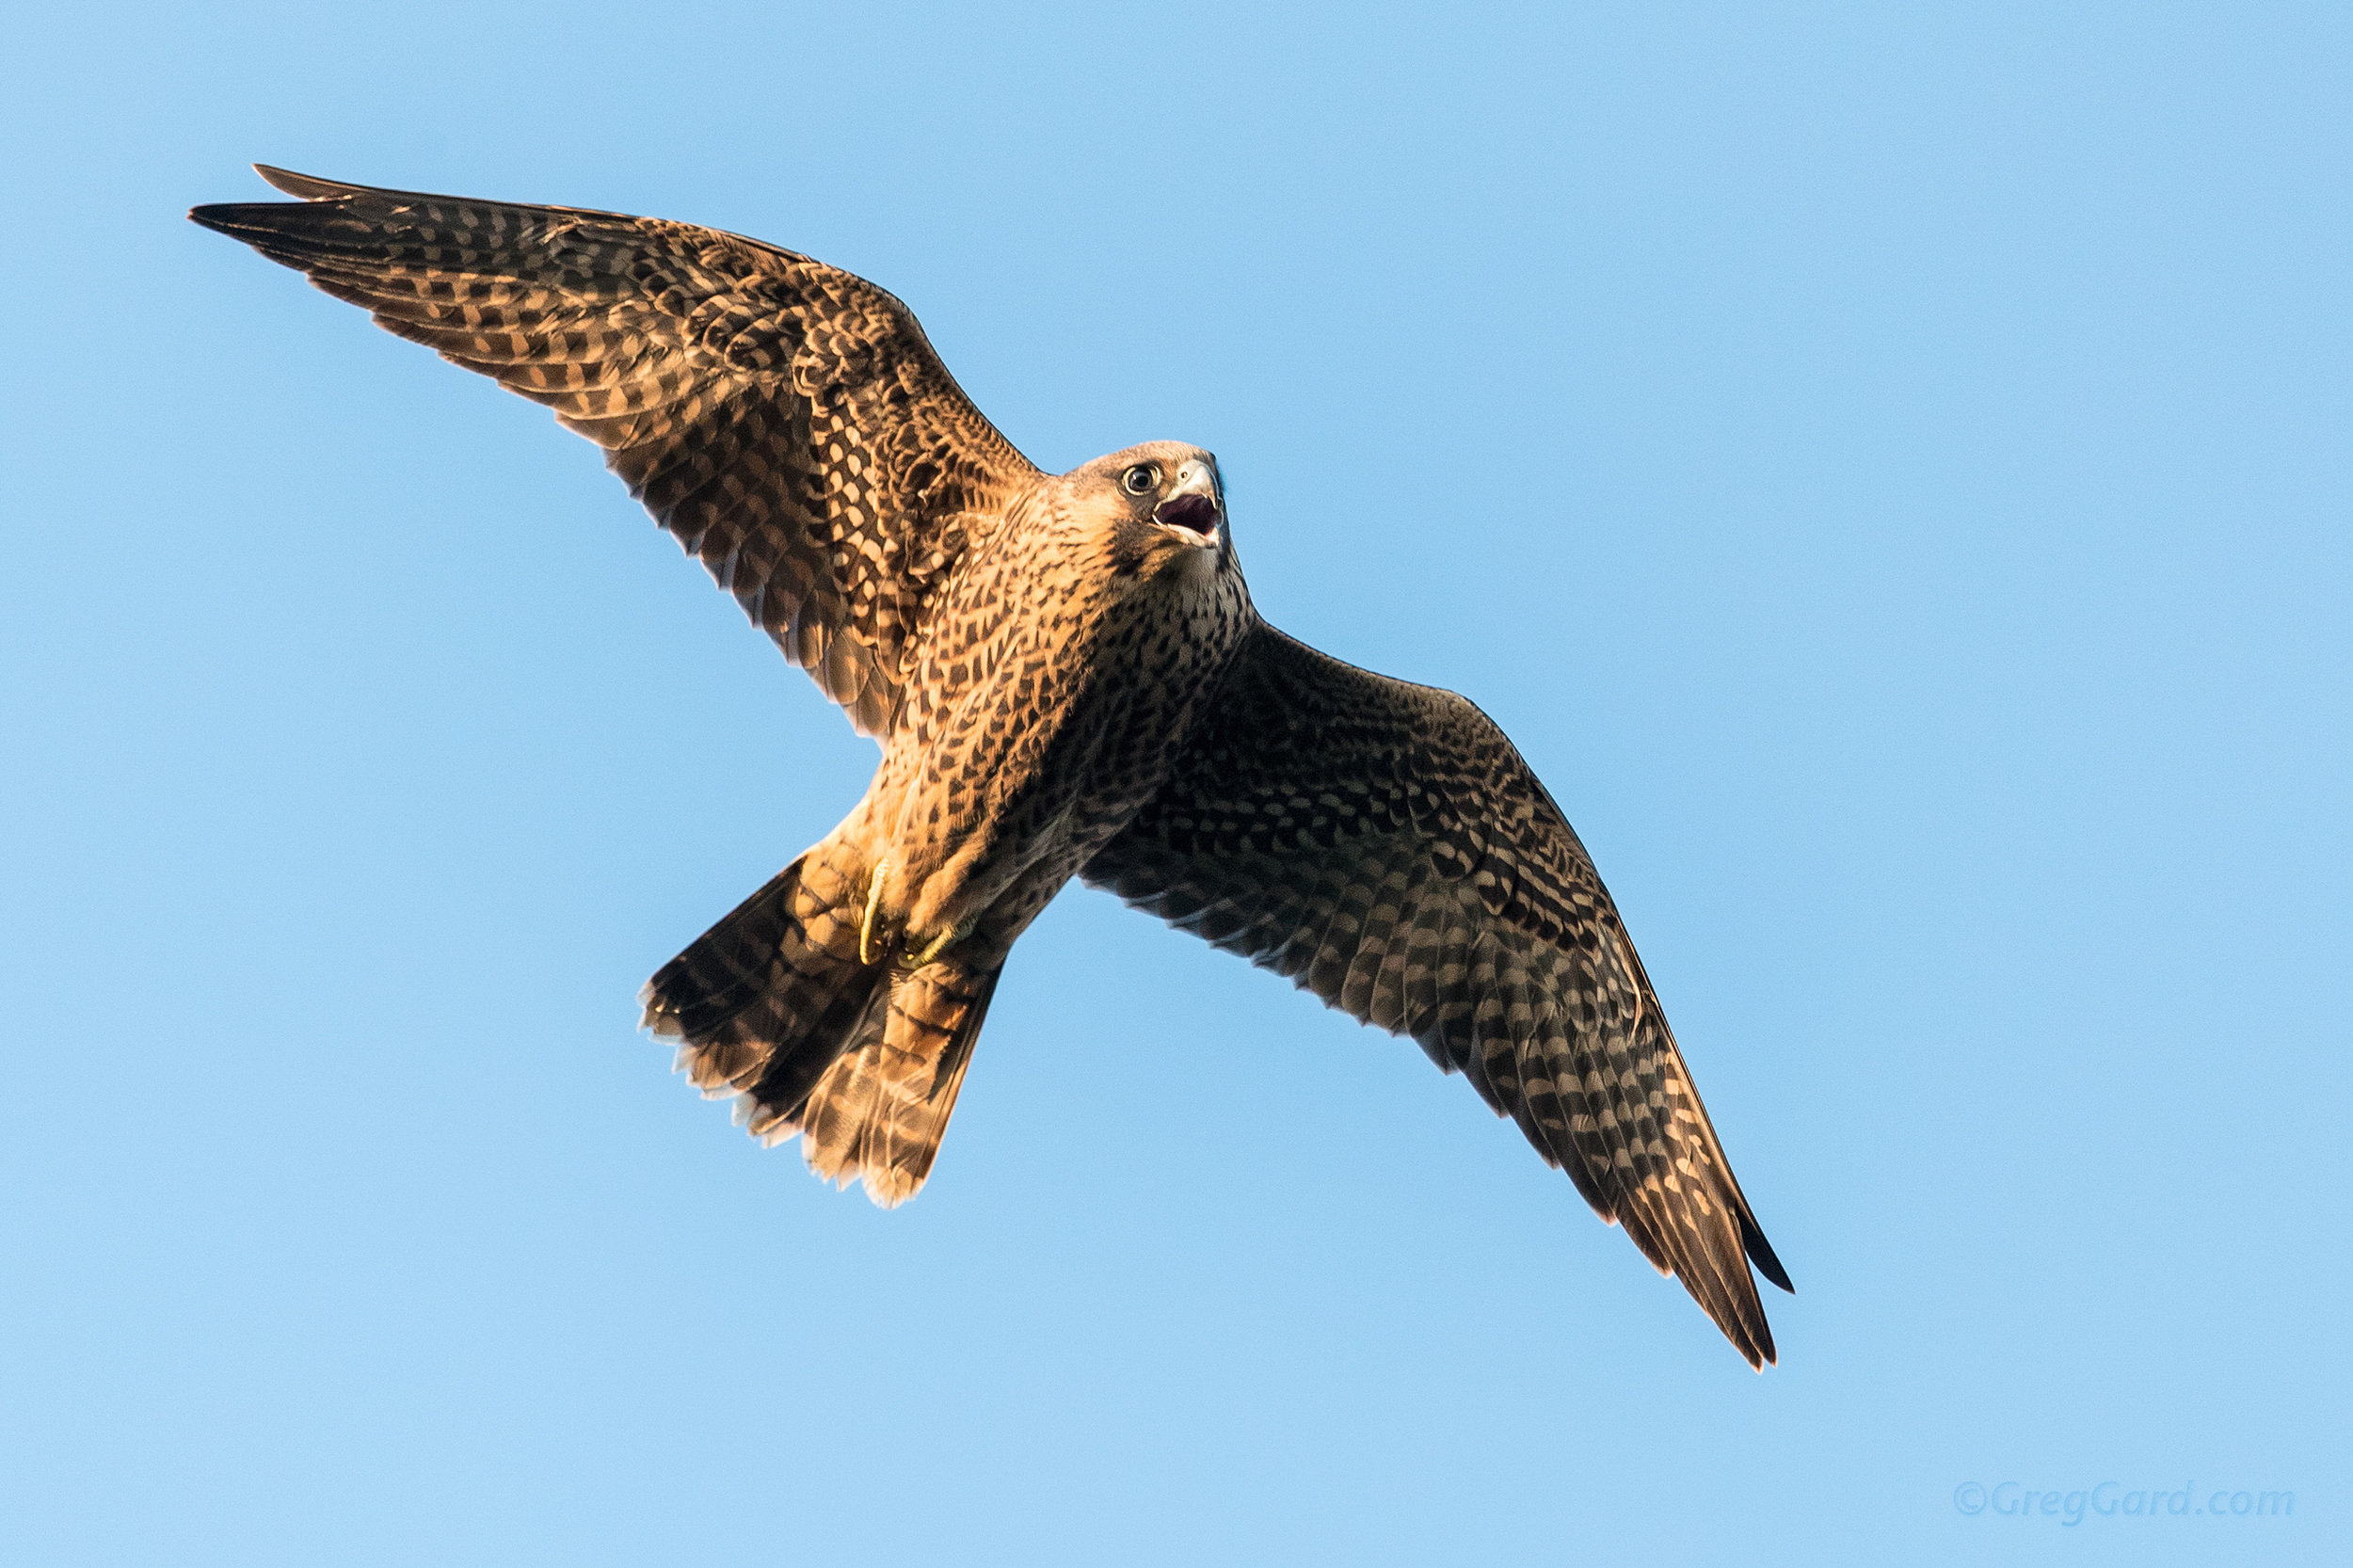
[1067,677]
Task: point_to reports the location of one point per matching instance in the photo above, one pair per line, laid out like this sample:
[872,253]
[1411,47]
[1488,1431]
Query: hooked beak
[1193,507]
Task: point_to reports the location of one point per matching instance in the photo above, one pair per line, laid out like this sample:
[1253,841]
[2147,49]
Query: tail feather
[765,988]
[773,1006]
[882,1108]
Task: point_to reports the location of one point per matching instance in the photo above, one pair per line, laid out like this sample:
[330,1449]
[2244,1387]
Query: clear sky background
[1885,465]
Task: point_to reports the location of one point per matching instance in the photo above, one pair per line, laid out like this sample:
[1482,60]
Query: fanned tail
[772,1006]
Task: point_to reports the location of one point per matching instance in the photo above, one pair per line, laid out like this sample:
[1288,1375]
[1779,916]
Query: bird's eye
[1142,479]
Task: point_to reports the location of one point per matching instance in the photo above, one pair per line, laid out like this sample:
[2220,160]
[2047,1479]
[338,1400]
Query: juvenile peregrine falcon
[1067,677]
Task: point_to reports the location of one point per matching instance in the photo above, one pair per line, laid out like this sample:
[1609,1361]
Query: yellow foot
[940,943]
[867,951]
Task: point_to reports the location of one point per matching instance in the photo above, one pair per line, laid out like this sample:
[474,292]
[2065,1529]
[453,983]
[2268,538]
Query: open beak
[1193,506]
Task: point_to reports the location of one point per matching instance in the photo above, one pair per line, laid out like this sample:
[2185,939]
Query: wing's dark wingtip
[222,217]
[254,223]
[1761,1254]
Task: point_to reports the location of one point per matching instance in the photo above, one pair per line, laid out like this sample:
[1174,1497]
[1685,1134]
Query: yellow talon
[931,949]
[873,903]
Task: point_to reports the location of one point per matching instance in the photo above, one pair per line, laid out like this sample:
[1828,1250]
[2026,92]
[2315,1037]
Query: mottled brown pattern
[1384,846]
[788,422]
[1067,677]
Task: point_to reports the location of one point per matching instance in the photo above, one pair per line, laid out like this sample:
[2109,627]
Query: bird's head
[1162,505]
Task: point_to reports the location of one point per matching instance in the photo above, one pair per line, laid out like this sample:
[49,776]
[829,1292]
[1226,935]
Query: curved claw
[867,953]
[932,948]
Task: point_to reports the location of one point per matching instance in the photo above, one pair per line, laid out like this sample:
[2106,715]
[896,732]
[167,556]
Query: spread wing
[1385,846]
[788,422]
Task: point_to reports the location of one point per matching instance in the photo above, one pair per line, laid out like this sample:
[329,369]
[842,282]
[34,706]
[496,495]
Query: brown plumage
[1067,677]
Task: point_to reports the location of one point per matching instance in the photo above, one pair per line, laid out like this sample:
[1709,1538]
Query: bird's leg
[867,950]
[940,943]
[873,944]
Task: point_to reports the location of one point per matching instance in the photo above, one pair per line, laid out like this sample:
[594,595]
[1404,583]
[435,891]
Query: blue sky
[1885,466]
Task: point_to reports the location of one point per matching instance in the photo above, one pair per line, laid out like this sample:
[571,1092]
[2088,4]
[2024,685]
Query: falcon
[1067,677]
